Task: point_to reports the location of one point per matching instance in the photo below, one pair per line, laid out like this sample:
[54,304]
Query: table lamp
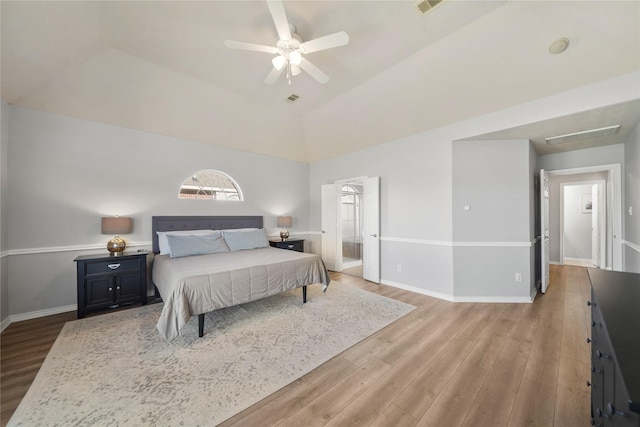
[116,225]
[284,222]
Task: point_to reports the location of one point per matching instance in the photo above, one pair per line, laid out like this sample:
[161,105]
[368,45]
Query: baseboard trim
[534,293]
[632,245]
[454,298]
[42,313]
[567,258]
[497,300]
[439,295]
[6,322]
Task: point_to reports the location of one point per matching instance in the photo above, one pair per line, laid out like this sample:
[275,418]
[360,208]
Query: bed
[200,283]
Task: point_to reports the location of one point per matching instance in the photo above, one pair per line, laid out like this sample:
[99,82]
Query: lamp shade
[284,221]
[116,225]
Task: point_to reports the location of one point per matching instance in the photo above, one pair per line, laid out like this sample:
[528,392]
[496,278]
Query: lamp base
[116,245]
[284,235]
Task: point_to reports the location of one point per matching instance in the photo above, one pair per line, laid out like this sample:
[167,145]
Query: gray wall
[4,182]
[577,224]
[67,173]
[632,199]
[415,201]
[493,238]
[417,192]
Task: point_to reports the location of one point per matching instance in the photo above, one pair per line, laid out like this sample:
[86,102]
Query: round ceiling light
[559,46]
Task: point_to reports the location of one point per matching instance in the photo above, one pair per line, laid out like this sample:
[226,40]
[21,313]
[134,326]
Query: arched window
[211,185]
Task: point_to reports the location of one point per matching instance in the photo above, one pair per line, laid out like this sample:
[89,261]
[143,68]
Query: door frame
[338,201]
[562,208]
[613,226]
[339,184]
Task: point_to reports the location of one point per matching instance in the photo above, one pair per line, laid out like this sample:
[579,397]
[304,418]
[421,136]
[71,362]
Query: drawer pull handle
[588,384]
[588,340]
[613,411]
[290,246]
[113,266]
[601,355]
[110,289]
[588,303]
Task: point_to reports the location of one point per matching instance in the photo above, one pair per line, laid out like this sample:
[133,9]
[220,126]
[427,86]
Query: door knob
[374,235]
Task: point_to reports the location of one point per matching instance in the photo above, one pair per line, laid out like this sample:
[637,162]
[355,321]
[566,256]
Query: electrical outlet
[518,277]
[399,268]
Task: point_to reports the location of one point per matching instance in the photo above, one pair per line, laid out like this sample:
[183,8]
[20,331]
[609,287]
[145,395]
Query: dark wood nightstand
[105,280]
[290,244]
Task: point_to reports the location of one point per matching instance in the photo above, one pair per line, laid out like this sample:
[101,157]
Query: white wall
[577,224]
[632,200]
[67,173]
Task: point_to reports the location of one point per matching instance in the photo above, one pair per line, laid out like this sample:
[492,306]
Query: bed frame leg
[304,294]
[200,325]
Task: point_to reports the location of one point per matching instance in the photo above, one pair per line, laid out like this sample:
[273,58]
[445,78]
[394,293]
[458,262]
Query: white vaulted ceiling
[162,66]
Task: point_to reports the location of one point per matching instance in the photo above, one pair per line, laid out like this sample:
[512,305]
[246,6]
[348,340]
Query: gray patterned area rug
[116,369]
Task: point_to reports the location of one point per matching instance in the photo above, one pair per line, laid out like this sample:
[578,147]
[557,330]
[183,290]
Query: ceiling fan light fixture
[290,47]
[279,62]
[295,58]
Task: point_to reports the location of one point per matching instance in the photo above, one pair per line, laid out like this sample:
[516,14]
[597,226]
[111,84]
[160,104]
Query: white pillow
[240,239]
[163,243]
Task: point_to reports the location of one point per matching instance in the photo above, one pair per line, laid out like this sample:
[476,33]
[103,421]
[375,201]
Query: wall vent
[292,98]
[425,6]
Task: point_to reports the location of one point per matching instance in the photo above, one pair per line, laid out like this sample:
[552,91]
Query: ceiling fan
[290,48]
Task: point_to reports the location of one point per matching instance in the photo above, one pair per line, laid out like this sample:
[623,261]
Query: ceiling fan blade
[273,75]
[332,40]
[314,71]
[250,46]
[276,7]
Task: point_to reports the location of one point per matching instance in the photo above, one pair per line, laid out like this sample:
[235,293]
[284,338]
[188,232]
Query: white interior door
[598,228]
[544,230]
[595,256]
[371,229]
[329,218]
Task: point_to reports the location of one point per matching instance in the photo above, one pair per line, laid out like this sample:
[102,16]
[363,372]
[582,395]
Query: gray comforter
[199,284]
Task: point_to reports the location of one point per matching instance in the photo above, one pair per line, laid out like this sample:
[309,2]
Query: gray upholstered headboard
[175,223]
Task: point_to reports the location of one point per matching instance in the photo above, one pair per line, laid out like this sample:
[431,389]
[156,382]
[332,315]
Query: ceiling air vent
[577,136]
[426,6]
[292,98]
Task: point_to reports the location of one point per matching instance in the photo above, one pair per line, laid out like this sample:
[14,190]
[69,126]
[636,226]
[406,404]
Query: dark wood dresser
[615,348]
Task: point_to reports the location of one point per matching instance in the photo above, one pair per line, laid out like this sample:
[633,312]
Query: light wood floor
[444,364]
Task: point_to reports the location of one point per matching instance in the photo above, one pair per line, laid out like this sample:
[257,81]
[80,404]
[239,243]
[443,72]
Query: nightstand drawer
[114,265]
[291,244]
